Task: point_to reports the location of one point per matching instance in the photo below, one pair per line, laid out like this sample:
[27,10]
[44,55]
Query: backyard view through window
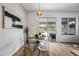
[68,26]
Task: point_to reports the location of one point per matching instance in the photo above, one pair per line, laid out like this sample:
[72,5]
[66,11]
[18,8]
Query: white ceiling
[51,6]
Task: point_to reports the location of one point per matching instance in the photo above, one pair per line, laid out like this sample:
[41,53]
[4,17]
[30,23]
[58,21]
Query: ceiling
[51,6]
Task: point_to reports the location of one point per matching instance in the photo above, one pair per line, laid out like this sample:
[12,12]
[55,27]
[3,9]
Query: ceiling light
[39,12]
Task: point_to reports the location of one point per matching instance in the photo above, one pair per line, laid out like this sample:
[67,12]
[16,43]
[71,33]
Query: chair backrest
[43,45]
[53,36]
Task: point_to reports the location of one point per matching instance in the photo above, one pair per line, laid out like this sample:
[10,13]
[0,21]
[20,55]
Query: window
[68,26]
[52,24]
[47,24]
[42,24]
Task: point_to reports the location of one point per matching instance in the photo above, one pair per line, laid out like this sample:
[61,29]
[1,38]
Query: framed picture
[11,20]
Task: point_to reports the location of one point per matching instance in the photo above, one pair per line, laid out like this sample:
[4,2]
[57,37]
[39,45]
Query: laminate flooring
[55,49]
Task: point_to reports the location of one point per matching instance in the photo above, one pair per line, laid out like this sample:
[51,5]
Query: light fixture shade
[39,13]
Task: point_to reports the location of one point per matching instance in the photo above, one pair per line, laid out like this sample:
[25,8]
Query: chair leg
[44,53]
[38,52]
[27,48]
[24,51]
[30,51]
[34,48]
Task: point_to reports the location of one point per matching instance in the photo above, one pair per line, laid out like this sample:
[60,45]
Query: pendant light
[39,12]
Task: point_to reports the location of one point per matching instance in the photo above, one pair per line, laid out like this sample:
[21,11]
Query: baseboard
[70,42]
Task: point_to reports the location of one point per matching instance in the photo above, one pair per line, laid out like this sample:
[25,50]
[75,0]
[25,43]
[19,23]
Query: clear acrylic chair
[43,46]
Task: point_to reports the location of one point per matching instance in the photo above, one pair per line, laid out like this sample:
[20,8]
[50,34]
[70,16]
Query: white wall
[33,24]
[10,39]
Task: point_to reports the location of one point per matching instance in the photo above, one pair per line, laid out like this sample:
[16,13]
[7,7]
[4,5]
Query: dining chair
[27,48]
[43,46]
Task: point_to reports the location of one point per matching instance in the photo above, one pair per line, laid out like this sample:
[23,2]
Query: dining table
[36,42]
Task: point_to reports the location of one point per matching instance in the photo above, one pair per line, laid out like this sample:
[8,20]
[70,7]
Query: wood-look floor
[55,49]
[60,49]
[31,52]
